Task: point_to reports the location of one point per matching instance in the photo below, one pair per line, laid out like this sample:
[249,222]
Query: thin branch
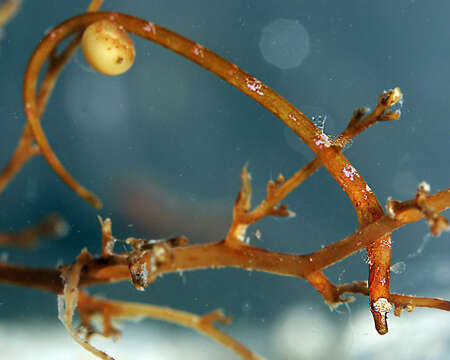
[401,302]
[218,254]
[8,9]
[50,227]
[277,190]
[358,123]
[89,306]
[379,253]
[331,157]
[67,302]
[436,221]
[26,149]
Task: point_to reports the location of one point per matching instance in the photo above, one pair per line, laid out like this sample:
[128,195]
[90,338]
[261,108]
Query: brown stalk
[364,201]
[26,149]
[89,306]
[51,226]
[8,9]
[219,254]
[148,259]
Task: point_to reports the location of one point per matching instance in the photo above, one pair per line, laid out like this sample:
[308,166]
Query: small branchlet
[216,316]
[436,221]
[360,122]
[88,307]
[385,101]
[390,98]
[358,115]
[400,302]
[67,303]
[109,310]
[400,307]
[272,186]
[108,240]
[244,199]
[268,206]
[243,217]
[273,197]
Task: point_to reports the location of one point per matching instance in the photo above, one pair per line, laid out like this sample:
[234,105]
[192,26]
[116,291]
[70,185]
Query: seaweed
[145,260]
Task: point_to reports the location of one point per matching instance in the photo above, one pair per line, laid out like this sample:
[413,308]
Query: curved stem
[26,149]
[297,121]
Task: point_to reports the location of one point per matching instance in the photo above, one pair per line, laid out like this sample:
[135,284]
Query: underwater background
[163,147]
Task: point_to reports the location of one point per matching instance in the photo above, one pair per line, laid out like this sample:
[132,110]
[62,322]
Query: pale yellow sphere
[108,48]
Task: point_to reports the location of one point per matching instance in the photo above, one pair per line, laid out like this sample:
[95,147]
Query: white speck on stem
[199,50]
[254,85]
[350,172]
[150,27]
[240,232]
[292,117]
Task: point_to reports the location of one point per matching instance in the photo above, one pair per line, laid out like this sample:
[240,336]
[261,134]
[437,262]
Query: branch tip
[243,201]
[216,316]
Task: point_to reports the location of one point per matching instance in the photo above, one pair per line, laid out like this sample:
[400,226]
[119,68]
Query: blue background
[170,138]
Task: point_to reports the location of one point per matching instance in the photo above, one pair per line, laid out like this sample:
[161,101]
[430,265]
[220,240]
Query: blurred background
[163,146]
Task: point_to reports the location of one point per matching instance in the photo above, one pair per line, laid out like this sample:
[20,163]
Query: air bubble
[425,240]
[398,267]
[284,43]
